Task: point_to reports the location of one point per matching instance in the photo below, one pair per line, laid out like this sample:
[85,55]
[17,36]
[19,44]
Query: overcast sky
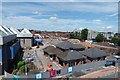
[61,16]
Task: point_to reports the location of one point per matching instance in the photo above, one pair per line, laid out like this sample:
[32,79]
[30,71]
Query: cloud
[42,24]
[114,14]
[37,13]
[97,20]
[106,27]
[109,27]
[96,7]
[60,1]
[53,18]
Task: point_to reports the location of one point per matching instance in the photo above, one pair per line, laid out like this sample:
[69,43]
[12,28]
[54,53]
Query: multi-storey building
[9,45]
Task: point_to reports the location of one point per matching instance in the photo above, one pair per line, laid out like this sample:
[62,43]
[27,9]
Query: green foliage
[75,35]
[84,34]
[23,68]
[100,38]
[115,40]
[20,63]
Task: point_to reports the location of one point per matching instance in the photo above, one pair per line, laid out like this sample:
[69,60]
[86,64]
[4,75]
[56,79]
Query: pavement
[100,73]
[40,60]
[45,60]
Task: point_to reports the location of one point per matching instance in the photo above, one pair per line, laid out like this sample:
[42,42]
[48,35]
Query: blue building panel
[14,48]
[0,54]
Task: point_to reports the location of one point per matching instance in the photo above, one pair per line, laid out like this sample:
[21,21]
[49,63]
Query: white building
[26,38]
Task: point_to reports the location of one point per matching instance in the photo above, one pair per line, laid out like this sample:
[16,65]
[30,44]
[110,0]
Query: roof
[51,50]
[95,53]
[2,34]
[25,31]
[4,30]
[77,46]
[5,27]
[70,55]
[14,30]
[66,45]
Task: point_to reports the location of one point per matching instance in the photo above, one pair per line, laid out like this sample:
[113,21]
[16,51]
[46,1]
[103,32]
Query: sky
[61,16]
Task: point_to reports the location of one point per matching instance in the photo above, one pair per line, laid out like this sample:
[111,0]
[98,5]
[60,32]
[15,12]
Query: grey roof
[51,50]
[66,45]
[70,55]
[95,53]
[2,34]
[77,46]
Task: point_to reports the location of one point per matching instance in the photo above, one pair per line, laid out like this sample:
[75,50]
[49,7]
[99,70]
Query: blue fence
[14,48]
[62,71]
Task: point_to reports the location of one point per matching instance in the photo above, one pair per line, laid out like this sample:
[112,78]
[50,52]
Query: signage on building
[70,69]
[53,73]
[39,76]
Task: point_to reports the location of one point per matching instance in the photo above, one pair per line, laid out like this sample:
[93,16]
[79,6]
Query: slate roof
[95,53]
[66,45]
[70,55]
[77,46]
[51,50]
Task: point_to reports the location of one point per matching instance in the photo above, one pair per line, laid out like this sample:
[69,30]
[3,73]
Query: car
[110,63]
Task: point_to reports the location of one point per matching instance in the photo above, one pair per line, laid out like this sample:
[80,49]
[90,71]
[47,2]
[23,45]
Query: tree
[84,34]
[100,38]
[114,40]
[75,35]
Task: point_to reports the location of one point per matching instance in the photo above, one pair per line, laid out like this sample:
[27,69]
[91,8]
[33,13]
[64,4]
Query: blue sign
[39,76]
[70,69]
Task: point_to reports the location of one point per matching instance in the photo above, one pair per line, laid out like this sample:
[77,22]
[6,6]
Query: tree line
[99,38]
